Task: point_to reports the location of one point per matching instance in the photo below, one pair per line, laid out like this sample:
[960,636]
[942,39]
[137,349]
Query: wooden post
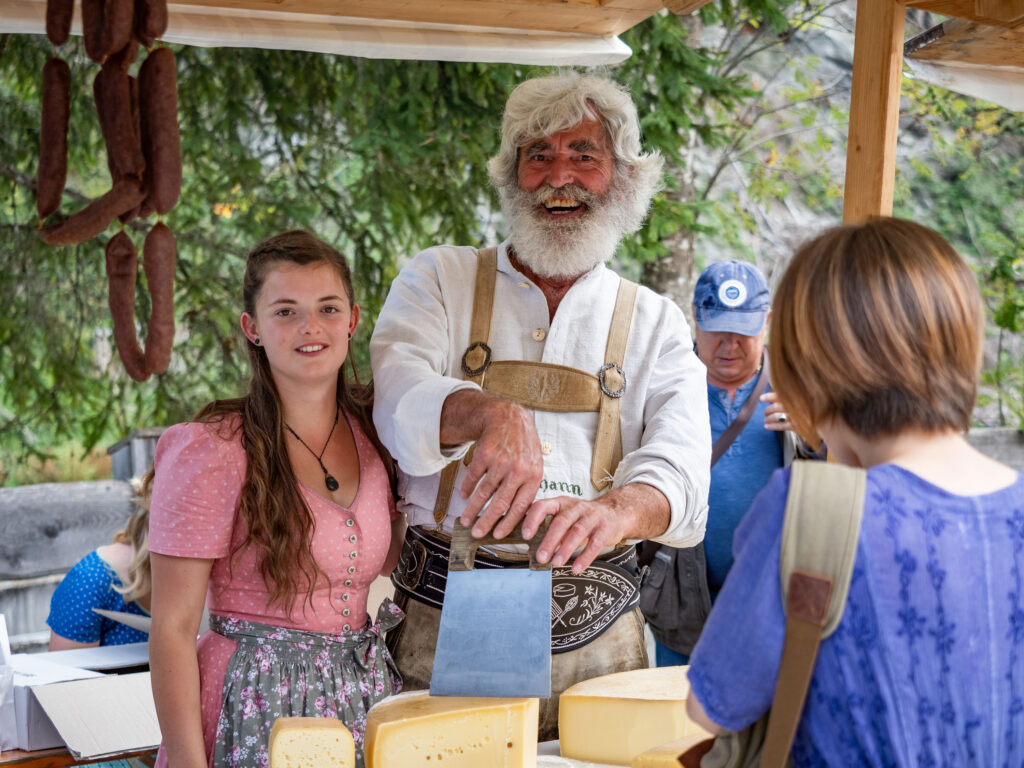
[874,109]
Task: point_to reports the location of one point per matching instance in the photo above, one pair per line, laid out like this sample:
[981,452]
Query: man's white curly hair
[546,105]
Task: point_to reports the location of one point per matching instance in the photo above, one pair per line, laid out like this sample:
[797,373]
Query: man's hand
[775,418]
[506,466]
[634,511]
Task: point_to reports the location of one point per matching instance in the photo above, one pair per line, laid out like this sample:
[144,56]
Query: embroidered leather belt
[582,606]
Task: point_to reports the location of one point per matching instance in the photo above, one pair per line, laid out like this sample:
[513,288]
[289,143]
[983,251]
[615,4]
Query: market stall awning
[550,32]
[972,58]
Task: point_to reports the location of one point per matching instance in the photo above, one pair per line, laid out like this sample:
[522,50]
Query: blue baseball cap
[731,297]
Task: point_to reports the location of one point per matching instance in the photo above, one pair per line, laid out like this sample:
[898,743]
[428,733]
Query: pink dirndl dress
[199,473]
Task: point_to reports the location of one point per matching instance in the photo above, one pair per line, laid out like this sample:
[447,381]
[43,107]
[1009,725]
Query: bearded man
[579,391]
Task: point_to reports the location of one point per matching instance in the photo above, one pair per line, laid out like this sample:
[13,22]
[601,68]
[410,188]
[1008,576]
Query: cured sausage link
[161,139]
[95,217]
[106,27]
[122,267]
[150,21]
[53,136]
[158,255]
[58,20]
[112,92]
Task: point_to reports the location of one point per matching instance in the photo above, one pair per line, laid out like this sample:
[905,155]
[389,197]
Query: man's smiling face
[578,157]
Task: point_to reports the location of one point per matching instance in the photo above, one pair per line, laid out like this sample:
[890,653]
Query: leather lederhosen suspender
[546,386]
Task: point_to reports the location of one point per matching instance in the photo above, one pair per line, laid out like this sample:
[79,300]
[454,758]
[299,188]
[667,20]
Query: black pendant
[332,484]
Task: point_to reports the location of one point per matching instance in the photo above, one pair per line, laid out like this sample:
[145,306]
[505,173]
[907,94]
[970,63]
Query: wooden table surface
[59,757]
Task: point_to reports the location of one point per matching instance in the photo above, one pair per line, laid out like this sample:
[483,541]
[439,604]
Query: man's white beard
[567,246]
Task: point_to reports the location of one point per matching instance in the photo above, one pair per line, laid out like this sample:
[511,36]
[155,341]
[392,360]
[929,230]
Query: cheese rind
[667,755]
[419,730]
[311,742]
[613,718]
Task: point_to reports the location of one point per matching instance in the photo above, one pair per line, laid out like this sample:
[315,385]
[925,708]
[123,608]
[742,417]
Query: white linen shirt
[416,353]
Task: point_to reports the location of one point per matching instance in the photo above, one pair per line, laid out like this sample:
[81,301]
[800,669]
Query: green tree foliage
[382,158]
[972,191]
[378,157]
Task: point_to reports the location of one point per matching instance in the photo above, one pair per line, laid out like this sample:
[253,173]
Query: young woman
[114,577]
[876,346]
[278,508]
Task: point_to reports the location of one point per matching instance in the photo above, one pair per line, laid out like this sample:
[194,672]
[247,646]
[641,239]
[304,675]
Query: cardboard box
[62,700]
[35,731]
[102,716]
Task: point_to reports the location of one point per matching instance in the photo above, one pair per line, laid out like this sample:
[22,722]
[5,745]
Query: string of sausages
[138,119]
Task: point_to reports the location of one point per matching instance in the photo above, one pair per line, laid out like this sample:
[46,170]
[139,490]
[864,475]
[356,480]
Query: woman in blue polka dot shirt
[114,577]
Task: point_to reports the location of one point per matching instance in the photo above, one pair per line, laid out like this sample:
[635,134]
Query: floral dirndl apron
[276,672]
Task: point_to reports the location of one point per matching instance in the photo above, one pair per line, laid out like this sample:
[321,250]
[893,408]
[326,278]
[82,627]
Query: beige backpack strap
[819,545]
[475,360]
[608,443]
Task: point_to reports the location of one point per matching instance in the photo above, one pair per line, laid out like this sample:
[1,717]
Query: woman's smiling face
[303,319]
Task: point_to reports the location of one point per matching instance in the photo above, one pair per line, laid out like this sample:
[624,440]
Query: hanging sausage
[139,123]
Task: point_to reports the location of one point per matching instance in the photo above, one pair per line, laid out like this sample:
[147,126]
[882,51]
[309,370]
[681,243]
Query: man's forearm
[646,509]
[466,413]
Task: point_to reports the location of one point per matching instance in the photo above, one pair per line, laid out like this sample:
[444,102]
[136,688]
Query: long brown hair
[278,522]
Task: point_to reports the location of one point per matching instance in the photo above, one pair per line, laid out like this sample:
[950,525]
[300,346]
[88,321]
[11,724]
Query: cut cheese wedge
[613,718]
[417,730]
[667,755]
[311,742]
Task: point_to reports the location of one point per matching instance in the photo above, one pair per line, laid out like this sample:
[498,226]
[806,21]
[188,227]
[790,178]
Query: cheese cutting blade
[495,633]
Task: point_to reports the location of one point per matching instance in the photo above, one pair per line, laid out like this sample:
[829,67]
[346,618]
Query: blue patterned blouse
[927,665]
[89,584]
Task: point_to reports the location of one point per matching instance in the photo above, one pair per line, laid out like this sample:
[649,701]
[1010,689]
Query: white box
[93,714]
[35,731]
[102,658]
[103,716]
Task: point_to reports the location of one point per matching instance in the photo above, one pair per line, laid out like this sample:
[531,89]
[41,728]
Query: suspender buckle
[476,349]
[616,379]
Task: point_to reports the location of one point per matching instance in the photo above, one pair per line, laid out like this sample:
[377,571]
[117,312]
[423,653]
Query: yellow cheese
[311,742]
[667,755]
[416,729]
[611,719]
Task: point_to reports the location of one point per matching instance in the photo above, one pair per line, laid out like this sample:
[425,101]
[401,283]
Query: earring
[350,335]
[256,340]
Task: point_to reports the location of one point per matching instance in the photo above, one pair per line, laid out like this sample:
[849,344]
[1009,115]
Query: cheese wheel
[667,755]
[417,730]
[311,742]
[613,718]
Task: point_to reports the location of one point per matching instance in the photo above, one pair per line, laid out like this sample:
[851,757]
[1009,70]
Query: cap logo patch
[732,293]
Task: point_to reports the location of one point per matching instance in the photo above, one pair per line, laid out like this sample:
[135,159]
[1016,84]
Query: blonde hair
[136,535]
[880,325]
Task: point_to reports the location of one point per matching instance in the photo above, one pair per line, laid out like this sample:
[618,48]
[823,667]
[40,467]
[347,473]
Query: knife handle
[464,545]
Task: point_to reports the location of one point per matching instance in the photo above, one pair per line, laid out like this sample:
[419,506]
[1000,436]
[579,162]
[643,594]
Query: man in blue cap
[752,438]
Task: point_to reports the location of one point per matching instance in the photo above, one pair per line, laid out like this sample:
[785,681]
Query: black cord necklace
[329,481]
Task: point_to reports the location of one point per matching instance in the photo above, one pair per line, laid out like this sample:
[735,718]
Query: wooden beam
[874,109]
[973,43]
[685,7]
[1006,11]
[594,17]
[1000,13]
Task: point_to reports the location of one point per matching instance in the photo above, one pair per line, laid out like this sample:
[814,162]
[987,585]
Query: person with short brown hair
[880,326]
[876,346]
